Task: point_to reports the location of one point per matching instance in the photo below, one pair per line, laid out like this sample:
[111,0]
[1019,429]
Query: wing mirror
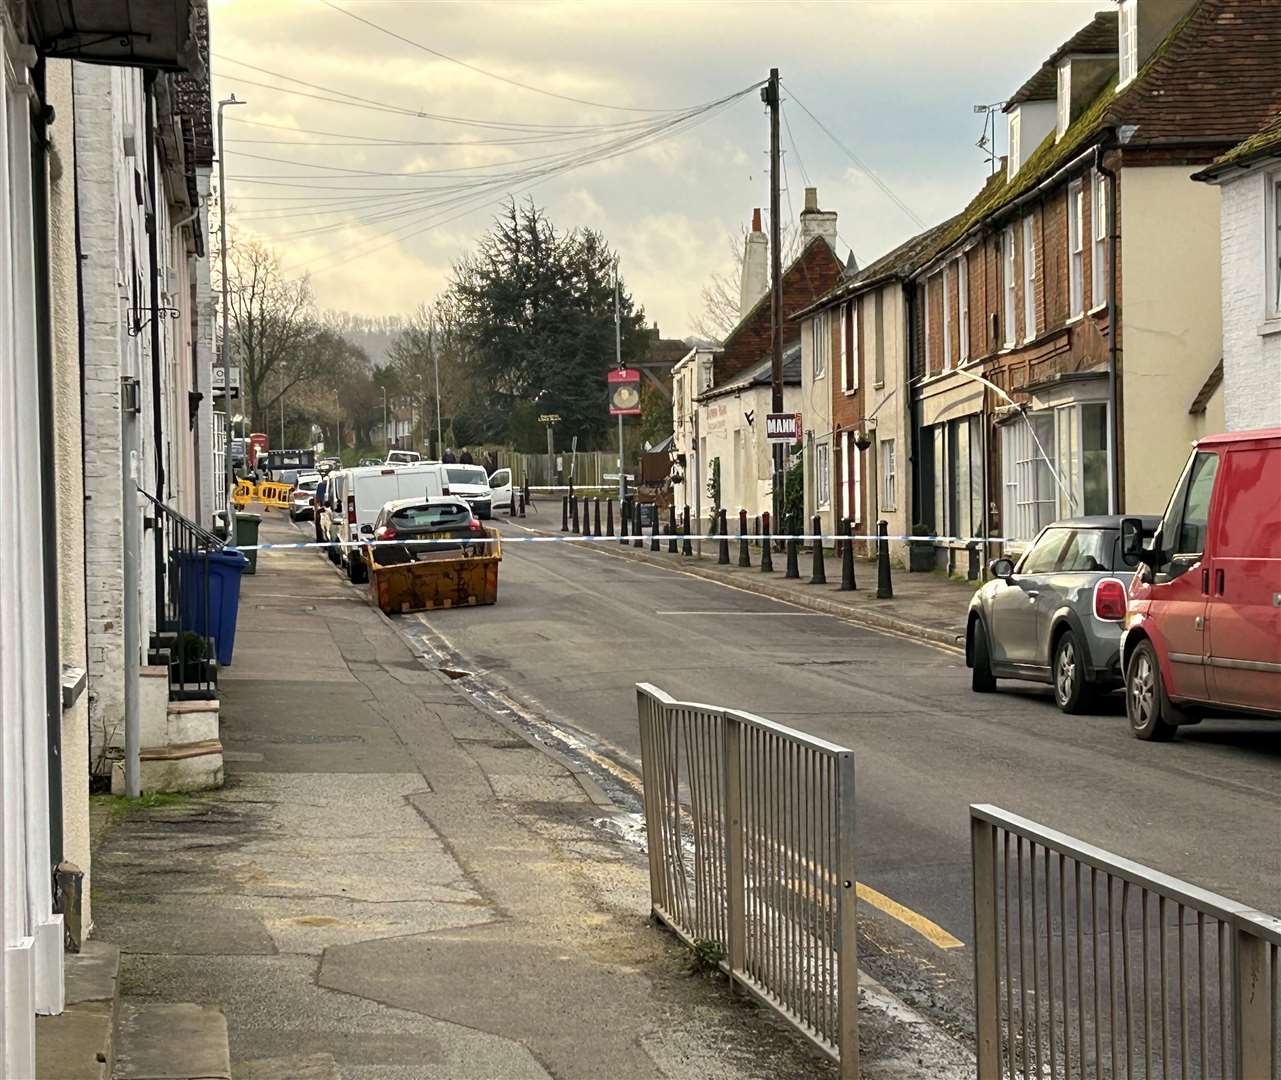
[1132,550]
[1001,568]
[366,530]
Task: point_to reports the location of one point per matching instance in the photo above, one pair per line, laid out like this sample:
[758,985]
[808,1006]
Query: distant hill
[372,333]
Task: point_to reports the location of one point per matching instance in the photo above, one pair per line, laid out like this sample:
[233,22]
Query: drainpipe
[157,403]
[1114,322]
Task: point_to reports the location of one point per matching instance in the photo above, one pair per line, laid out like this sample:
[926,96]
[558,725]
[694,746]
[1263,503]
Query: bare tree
[431,345]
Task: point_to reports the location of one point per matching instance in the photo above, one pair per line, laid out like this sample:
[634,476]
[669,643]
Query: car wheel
[982,681]
[1072,692]
[1146,705]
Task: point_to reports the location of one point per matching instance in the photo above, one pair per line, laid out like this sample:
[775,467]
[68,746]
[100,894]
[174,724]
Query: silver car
[1056,616]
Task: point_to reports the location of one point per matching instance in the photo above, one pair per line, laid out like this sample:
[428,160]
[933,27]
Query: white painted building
[1249,181]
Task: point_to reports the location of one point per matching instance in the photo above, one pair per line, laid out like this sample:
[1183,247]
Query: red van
[1203,620]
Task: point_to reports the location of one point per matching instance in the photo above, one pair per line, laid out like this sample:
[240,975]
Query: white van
[403,457]
[356,497]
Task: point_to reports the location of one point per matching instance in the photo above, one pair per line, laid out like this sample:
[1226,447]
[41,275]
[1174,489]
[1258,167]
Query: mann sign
[783,427]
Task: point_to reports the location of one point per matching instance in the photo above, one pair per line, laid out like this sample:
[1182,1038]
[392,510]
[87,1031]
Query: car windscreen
[427,516]
[1088,551]
[467,474]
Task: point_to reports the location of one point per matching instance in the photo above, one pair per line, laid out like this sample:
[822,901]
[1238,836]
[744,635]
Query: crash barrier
[750,830]
[268,492]
[1087,964]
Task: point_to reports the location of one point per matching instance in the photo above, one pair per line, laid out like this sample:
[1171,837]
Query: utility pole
[338,422]
[435,359]
[618,357]
[770,95]
[226,341]
[386,435]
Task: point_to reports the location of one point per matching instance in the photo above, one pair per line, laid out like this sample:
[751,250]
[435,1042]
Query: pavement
[399,881]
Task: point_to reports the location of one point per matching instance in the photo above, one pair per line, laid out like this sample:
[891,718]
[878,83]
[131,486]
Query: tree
[275,335]
[431,349]
[536,307]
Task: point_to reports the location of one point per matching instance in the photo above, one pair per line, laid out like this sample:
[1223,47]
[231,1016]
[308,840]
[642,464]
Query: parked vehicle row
[1184,610]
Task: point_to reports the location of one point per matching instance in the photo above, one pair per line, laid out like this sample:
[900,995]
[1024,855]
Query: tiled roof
[1215,80]
[1266,142]
[762,375]
[1098,36]
[1043,86]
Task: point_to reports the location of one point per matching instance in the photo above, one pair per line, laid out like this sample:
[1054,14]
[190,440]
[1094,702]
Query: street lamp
[386,434]
[222,229]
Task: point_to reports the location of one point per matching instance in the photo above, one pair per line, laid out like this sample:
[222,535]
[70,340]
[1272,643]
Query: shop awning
[130,33]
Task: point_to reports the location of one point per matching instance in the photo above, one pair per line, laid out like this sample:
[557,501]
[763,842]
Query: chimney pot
[756,220]
[811,198]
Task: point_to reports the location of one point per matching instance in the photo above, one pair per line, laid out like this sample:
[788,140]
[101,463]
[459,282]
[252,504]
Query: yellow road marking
[931,931]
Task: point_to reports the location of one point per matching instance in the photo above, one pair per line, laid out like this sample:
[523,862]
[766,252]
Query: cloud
[894,82]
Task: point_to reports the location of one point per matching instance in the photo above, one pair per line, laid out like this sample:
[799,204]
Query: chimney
[755,277]
[816,222]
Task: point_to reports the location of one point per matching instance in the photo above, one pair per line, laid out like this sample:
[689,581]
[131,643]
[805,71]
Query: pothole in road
[455,673]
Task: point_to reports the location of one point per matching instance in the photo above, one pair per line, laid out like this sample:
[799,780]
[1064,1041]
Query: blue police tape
[576,539]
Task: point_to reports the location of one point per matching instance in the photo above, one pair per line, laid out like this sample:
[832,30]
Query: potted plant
[920,552]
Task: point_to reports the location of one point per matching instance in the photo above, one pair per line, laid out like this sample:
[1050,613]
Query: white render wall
[1251,340]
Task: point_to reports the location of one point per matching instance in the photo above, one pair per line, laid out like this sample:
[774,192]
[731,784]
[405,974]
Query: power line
[351,138]
[482,71]
[792,139]
[862,165]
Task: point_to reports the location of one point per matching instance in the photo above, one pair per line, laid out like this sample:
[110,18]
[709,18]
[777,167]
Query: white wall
[815,407]
[1251,331]
[1170,325]
[886,407]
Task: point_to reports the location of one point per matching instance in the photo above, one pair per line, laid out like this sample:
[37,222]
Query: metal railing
[1090,965]
[184,616]
[751,847]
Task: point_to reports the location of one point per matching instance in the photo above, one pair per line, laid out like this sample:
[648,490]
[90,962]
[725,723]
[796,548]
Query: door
[1181,583]
[500,488]
[1015,608]
[1244,614]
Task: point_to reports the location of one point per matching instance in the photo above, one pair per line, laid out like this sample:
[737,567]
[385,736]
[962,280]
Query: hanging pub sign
[783,427]
[624,392]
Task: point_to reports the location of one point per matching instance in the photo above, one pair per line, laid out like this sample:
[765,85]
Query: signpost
[783,428]
[624,400]
[550,419]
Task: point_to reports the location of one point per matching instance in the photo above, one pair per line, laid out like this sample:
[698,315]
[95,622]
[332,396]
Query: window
[1044,554]
[1099,251]
[845,336]
[1088,551]
[1015,138]
[821,342]
[1064,97]
[929,341]
[822,475]
[1074,440]
[947,321]
[879,362]
[1029,279]
[1274,264]
[963,305]
[846,472]
[1007,271]
[855,321]
[940,479]
[1076,250]
[855,471]
[964,479]
[1182,532]
[887,475]
[1028,483]
[1127,42]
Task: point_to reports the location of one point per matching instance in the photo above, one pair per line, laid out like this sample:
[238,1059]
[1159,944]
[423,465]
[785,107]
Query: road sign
[624,392]
[783,427]
[549,418]
[234,380]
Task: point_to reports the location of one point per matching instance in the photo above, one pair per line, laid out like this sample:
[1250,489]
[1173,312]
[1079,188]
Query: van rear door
[1244,616]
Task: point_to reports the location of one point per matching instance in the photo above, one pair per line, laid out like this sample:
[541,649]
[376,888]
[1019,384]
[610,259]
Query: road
[575,629]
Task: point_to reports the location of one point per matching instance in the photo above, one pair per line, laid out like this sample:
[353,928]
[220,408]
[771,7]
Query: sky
[363,197]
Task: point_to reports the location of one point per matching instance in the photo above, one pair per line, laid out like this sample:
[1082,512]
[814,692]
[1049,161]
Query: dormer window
[1064,97]
[1016,157]
[1127,42]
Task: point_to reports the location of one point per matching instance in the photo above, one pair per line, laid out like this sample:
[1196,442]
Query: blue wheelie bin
[209,596]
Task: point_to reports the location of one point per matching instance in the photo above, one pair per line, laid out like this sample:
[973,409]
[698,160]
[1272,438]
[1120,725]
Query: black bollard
[884,589]
[756,531]
[671,529]
[524,493]
[522,504]
[687,546]
[623,508]
[972,570]
[573,514]
[587,517]
[596,511]
[654,545]
[818,576]
[848,583]
[564,513]
[722,557]
[767,557]
[793,554]
[744,556]
[638,528]
[609,517]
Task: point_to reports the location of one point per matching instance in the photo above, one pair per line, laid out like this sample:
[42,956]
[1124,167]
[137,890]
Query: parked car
[403,457]
[357,495]
[440,518]
[1203,629]
[1056,616]
[301,507]
[472,483]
